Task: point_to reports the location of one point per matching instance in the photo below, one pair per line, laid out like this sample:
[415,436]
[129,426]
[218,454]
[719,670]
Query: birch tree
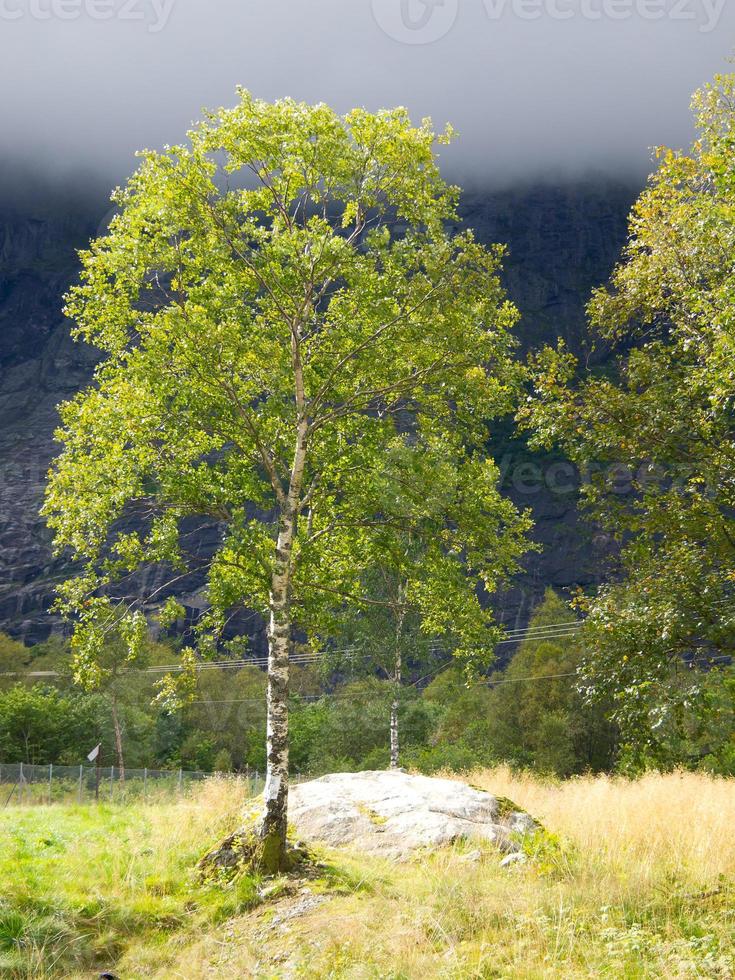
[393,632]
[658,440]
[282,317]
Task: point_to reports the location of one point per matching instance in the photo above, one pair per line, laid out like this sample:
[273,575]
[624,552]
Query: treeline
[533,715]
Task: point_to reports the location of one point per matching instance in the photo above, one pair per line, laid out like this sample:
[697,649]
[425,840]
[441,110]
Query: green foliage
[544,723]
[461,709]
[657,440]
[39,725]
[459,721]
[349,731]
[222,761]
[215,722]
[691,733]
[198,751]
[288,329]
[13,655]
[549,855]
[18,661]
[384,634]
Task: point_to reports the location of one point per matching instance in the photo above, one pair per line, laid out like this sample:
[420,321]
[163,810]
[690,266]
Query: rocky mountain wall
[562,240]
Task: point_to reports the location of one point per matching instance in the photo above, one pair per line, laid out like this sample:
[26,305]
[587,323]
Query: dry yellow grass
[681,823]
[639,885]
[632,880]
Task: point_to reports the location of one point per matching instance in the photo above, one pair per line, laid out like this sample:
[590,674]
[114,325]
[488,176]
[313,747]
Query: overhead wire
[548,631]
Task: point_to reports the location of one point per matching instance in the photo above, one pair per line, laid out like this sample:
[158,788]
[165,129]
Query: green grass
[79,885]
[631,880]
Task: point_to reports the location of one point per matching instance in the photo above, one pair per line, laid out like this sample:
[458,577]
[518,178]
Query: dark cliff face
[39,367]
[562,242]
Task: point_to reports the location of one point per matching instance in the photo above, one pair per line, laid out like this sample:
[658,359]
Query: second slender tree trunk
[394,738]
[118,742]
[395,745]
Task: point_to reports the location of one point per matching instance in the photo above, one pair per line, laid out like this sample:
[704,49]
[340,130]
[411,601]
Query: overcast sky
[535,87]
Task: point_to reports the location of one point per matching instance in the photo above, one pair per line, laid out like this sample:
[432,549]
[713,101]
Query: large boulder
[393,813]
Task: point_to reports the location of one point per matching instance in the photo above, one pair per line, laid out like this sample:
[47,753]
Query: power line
[571,623]
[544,636]
[539,677]
[551,631]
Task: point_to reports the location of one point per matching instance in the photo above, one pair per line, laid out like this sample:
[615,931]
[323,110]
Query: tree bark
[398,679]
[275,813]
[118,742]
[394,739]
[274,825]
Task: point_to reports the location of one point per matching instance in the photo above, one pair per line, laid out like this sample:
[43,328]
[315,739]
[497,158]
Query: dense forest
[530,715]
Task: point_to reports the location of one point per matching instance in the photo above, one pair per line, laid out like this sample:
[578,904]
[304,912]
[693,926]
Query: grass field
[632,879]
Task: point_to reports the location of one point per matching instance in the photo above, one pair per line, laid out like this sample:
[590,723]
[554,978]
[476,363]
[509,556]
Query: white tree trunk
[394,741]
[118,742]
[275,813]
[398,679]
[274,824]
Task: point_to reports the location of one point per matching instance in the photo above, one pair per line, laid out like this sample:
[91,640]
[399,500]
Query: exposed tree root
[246,850]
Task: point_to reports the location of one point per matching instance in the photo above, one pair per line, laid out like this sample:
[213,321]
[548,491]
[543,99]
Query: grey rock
[514,860]
[269,890]
[295,911]
[393,814]
[521,823]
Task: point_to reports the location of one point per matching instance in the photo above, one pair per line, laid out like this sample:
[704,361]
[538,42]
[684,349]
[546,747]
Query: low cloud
[536,88]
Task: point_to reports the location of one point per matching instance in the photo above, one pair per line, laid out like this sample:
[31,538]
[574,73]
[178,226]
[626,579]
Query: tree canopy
[296,348]
[657,439]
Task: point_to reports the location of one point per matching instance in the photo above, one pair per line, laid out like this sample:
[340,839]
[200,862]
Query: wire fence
[25,785]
